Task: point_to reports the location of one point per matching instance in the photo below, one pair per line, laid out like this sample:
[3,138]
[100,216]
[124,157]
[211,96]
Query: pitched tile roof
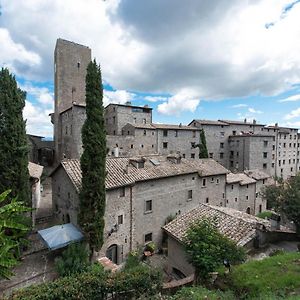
[242,178]
[174,127]
[120,172]
[237,226]
[210,122]
[257,174]
[235,122]
[35,170]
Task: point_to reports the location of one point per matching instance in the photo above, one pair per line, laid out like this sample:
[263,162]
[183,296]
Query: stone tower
[70,64]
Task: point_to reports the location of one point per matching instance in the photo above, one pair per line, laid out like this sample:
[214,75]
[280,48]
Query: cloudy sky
[205,59]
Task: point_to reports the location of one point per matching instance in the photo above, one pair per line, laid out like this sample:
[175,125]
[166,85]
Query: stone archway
[112,253]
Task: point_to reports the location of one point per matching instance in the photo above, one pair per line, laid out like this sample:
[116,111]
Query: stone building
[140,194]
[273,149]
[70,65]
[118,115]
[217,134]
[163,139]
[251,151]
[40,151]
[286,152]
[245,230]
[262,179]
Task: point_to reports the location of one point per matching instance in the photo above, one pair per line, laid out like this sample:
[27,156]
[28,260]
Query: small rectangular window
[148,206]
[148,237]
[165,132]
[207,200]
[165,145]
[211,155]
[122,191]
[120,219]
[221,145]
[203,182]
[193,155]
[190,194]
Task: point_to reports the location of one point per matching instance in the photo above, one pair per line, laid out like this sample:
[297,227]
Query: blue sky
[187,59]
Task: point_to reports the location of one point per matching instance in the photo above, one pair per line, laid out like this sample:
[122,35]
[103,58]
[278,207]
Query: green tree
[13,228]
[92,195]
[202,145]
[207,248]
[272,194]
[13,142]
[290,200]
[74,260]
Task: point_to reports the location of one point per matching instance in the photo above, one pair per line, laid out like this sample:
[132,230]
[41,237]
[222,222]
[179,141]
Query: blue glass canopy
[60,236]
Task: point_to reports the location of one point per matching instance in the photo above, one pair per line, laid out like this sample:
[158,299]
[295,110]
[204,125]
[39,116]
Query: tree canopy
[92,195]
[12,230]
[285,197]
[203,153]
[207,248]
[13,142]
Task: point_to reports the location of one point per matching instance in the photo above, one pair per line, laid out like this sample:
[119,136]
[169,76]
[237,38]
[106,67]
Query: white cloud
[185,100]
[239,105]
[293,114]
[163,46]
[15,56]
[155,98]
[291,124]
[42,94]
[291,98]
[254,111]
[38,120]
[119,97]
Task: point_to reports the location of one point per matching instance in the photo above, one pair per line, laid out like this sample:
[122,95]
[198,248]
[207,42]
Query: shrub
[74,260]
[264,214]
[133,260]
[96,284]
[150,247]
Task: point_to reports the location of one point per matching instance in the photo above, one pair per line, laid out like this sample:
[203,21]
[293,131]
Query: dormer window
[138,163]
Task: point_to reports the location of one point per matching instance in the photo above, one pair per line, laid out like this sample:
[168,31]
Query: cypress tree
[92,161]
[13,140]
[202,145]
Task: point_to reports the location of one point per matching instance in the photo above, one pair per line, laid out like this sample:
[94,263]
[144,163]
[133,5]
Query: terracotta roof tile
[237,226]
[120,172]
[257,174]
[242,178]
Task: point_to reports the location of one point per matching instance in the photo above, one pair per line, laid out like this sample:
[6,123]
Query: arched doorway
[112,253]
[68,218]
[248,210]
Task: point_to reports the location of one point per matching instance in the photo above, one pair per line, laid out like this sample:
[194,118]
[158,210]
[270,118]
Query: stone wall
[70,64]
[117,116]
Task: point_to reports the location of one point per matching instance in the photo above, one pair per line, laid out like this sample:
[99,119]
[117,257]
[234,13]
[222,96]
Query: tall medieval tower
[70,65]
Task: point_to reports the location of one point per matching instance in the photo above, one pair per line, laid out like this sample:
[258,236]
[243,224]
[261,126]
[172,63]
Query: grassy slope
[279,275]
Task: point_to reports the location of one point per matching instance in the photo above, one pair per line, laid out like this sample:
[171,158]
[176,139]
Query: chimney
[116,151]
[245,120]
[254,121]
[146,105]
[180,124]
[128,103]
[276,124]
